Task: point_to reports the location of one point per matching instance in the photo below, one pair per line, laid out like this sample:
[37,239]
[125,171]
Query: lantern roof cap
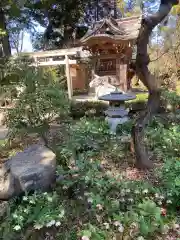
[117,96]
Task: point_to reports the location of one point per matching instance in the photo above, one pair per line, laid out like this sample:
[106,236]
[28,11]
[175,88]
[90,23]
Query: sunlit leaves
[121,5]
[2,32]
[176,10]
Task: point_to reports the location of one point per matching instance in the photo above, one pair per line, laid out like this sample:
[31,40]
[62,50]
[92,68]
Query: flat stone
[30,170]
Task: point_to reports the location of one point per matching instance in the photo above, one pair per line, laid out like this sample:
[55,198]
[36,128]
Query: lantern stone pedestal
[116,113]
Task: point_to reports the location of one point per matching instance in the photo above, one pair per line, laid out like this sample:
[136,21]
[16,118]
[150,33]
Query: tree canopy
[63,21]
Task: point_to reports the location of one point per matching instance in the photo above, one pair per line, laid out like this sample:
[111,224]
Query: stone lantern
[116,113]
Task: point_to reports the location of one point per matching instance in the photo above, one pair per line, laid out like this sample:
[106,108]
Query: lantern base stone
[114,122]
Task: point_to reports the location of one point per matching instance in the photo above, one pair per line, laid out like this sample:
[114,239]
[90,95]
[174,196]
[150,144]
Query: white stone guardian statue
[101,85]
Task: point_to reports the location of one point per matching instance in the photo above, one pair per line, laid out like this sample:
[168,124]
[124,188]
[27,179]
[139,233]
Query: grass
[99,191]
[178,89]
[101,187]
[141,97]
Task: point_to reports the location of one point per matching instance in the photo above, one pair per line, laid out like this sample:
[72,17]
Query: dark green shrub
[164,139]
[171,100]
[97,109]
[89,135]
[170,179]
[77,92]
[81,109]
[41,102]
[125,128]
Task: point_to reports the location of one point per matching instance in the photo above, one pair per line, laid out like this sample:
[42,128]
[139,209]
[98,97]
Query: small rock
[60,178]
[100,168]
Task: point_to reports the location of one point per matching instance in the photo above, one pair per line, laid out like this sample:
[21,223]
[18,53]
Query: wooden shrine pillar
[68,76]
[121,74]
[79,76]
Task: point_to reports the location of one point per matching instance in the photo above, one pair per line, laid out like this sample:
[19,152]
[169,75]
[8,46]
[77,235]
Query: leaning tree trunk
[142,71]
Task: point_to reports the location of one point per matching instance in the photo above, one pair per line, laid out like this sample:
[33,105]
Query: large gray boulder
[30,170]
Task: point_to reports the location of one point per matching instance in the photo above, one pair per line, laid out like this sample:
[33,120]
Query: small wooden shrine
[110,43]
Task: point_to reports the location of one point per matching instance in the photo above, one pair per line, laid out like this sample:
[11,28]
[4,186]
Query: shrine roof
[124,29]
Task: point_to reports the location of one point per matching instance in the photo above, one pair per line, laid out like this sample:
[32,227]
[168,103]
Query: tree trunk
[4,39]
[153,86]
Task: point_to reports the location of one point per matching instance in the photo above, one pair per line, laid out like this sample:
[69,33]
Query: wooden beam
[68,75]
[108,56]
[54,63]
[53,53]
